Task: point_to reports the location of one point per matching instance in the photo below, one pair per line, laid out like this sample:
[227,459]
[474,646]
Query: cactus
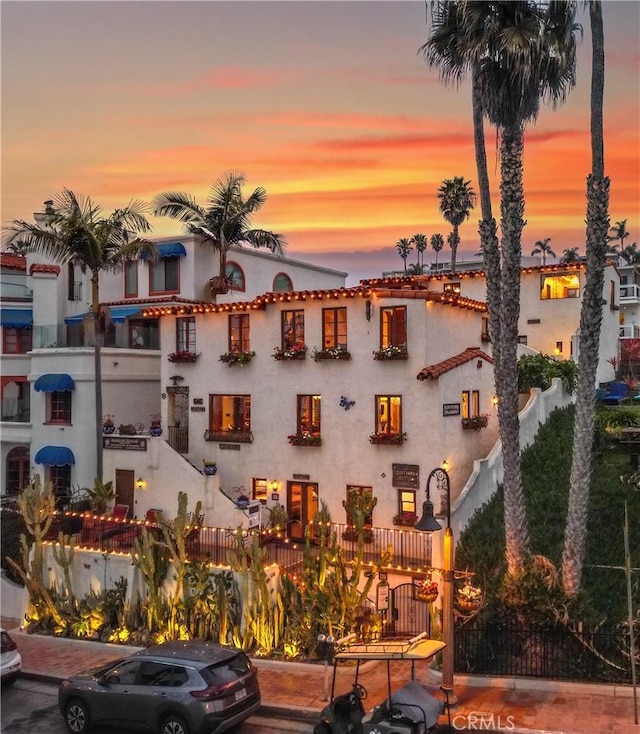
[63,550]
[152,559]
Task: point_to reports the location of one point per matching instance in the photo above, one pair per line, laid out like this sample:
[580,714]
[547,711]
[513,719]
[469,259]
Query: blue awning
[119,313]
[55,456]
[77,319]
[168,249]
[54,383]
[16,318]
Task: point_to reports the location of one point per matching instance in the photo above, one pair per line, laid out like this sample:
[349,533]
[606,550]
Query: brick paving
[296,689]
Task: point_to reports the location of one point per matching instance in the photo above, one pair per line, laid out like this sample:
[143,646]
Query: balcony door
[302,505]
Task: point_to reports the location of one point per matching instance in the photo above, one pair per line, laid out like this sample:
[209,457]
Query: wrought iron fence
[559,652]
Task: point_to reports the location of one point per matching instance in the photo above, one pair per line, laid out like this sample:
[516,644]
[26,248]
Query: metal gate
[407,616]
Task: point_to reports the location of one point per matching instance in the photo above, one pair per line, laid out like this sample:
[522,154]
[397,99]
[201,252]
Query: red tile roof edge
[43,268]
[12,261]
[432,372]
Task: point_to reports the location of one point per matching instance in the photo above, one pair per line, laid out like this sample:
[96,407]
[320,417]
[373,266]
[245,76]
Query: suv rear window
[227,670]
[7,642]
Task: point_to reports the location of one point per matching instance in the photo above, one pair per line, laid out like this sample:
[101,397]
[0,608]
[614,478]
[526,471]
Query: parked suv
[10,660]
[173,688]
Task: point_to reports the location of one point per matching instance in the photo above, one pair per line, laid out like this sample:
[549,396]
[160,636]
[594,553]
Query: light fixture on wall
[140,483]
[273,485]
[494,401]
[445,465]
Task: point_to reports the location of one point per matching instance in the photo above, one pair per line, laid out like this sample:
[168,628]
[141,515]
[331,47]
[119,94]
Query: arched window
[235,276]
[282,283]
[17,469]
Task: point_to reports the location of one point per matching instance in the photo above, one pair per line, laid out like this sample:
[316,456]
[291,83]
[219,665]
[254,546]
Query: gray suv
[175,688]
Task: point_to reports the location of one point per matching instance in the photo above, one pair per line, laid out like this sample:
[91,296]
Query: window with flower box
[230,418]
[308,421]
[259,489]
[470,403]
[239,333]
[334,328]
[407,515]
[59,407]
[292,329]
[388,420]
[393,326]
[186,334]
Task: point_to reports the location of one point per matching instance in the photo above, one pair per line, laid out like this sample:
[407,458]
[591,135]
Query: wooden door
[125,483]
[302,505]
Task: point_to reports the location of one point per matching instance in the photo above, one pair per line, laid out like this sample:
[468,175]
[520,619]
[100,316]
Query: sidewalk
[295,690]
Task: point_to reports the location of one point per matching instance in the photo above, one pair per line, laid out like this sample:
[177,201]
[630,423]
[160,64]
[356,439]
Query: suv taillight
[7,643]
[211,692]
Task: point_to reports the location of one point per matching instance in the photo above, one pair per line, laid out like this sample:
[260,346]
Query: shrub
[537,370]
[11,527]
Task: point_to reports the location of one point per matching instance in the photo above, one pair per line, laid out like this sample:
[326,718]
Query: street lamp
[428,523]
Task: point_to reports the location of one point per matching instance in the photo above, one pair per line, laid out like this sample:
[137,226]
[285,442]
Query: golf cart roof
[417,648]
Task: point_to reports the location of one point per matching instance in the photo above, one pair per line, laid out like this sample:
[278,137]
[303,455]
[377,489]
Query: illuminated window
[393,326]
[230,413]
[407,499]
[559,285]
[308,418]
[235,276]
[334,328]
[282,283]
[292,328]
[239,333]
[259,490]
[470,403]
[389,414]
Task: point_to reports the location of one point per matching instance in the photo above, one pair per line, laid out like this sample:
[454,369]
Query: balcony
[15,410]
[15,292]
[629,294]
[63,336]
[630,331]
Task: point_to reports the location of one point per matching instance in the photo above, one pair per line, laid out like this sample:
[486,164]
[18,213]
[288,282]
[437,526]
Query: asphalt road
[30,707]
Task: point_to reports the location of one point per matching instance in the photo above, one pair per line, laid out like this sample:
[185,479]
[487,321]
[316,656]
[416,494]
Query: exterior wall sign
[198,401]
[302,476]
[198,409]
[127,443]
[229,446]
[406,476]
[450,409]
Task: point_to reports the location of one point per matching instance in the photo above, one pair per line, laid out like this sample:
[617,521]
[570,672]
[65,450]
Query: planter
[428,598]
[155,431]
[296,440]
[407,522]
[382,355]
[331,354]
[108,430]
[474,424]
[237,358]
[467,606]
[183,357]
[395,440]
[209,471]
[287,356]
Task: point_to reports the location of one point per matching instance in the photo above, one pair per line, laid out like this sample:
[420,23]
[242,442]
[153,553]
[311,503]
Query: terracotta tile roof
[42,268]
[13,262]
[432,372]
[450,299]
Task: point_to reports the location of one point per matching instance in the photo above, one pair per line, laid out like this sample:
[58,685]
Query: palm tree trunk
[590,322]
[454,247]
[97,360]
[506,368]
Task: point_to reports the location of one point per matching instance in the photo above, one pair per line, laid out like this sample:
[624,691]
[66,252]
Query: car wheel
[9,680]
[322,728]
[174,724]
[76,716]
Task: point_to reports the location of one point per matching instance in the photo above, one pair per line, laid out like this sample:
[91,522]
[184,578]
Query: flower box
[183,356]
[475,423]
[334,353]
[304,439]
[429,598]
[231,436]
[406,519]
[390,439]
[297,351]
[391,352]
[237,358]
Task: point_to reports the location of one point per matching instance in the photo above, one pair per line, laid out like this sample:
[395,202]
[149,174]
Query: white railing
[629,293]
[630,331]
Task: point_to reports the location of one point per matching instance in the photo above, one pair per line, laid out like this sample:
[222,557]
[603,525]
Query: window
[282,283]
[144,333]
[162,674]
[125,674]
[186,334]
[470,400]
[292,329]
[235,276]
[559,285]
[393,326]
[484,333]
[407,501]
[309,414]
[452,288]
[60,478]
[612,296]
[164,275]
[239,333]
[18,471]
[230,413]
[131,279]
[16,397]
[59,407]
[367,494]
[16,341]
[334,328]
[259,490]
[389,414]
[522,339]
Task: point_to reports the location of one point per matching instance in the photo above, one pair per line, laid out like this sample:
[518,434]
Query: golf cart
[409,710]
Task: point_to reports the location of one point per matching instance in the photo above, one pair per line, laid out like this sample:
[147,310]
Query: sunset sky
[326,104]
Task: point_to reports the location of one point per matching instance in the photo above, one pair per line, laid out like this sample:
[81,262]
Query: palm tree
[226,220]
[619,232]
[631,254]
[403,246]
[420,242]
[516,53]
[543,248]
[457,199]
[415,269]
[570,256]
[437,244]
[72,229]
[573,551]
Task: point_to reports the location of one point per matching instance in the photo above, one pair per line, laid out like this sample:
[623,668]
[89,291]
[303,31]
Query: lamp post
[429,524]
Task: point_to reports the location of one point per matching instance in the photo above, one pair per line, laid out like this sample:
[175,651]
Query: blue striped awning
[16,318]
[168,249]
[55,456]
[54,383]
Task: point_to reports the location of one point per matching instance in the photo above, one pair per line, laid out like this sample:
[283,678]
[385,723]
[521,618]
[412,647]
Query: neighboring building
[48,386]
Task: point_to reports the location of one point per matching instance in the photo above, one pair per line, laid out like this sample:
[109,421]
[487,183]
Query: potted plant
[296,351]
[407,519]
[108,425]
[100,496]
[304,439]
[209,468]
[468,598]
[182,355]
[427,590]
[388,438]
[155,426]
[391,352]
[339,353]
[476,422]
[240,358]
